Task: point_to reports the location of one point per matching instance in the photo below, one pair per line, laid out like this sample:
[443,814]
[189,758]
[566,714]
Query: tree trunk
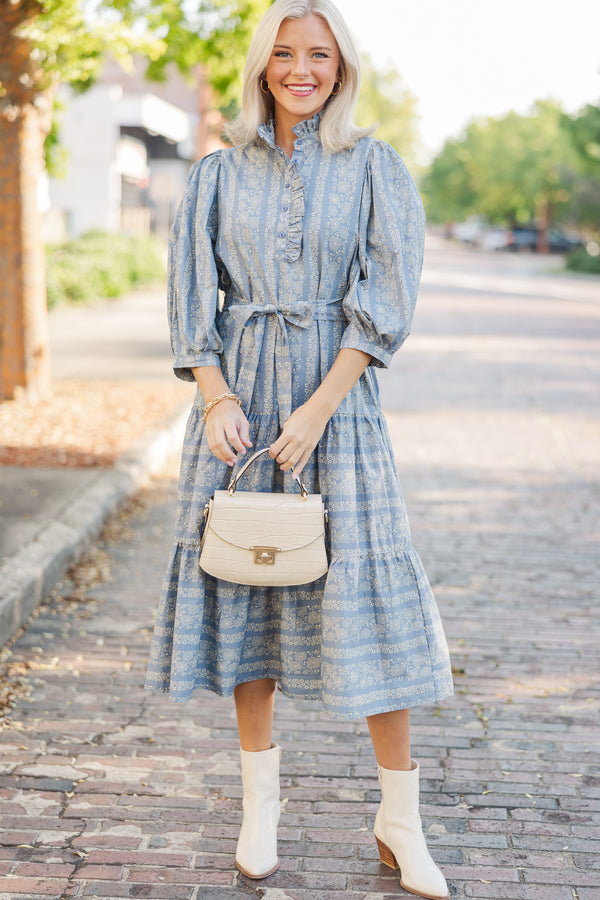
[25,117]
[543,221]
[211,123]
[23,306]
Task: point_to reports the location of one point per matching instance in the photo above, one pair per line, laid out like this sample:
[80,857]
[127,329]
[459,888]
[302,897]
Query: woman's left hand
[301,434]
[304,428]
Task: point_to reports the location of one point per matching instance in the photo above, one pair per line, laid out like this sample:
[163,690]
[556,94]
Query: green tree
[47,42]
[384,101]
[511,169]
[584,130]
[448,190]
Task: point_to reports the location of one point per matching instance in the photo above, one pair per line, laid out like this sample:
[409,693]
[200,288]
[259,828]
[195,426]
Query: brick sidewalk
[107,792]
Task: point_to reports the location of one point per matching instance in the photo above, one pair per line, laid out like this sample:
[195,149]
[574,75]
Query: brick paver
[107,792]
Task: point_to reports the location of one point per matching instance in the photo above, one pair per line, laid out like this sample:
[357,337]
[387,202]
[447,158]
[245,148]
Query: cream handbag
[254,537]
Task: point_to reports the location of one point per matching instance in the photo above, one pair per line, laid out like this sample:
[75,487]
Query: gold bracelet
[212,403]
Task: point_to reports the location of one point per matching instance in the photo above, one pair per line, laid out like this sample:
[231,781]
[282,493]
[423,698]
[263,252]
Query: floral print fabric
[275,264]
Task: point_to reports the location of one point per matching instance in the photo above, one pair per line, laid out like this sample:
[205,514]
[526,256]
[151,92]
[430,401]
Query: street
[493,408]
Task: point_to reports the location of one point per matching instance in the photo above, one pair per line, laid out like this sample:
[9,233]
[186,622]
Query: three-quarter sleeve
[193,279]
[380,303]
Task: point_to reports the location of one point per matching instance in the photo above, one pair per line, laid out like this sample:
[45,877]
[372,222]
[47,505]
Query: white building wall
[90,195]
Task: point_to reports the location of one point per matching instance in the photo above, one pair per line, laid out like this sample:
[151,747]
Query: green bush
[580,260]
[99,265]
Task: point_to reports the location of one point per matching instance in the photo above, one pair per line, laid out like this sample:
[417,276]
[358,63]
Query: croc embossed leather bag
[262,538]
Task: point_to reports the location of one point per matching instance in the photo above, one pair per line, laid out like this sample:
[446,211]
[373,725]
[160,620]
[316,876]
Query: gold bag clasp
[265,556]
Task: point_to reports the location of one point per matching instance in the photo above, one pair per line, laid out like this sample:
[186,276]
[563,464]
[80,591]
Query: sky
[466,58]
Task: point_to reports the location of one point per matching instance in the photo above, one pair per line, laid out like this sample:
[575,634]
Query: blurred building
[130,144]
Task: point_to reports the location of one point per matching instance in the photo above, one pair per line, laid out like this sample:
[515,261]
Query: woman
[313,231]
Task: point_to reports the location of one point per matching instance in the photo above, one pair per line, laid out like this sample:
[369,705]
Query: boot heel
[385,854]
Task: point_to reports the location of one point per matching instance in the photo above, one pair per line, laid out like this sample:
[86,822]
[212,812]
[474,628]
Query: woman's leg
[256,851]
[390,733]
[254,709]
[398,828]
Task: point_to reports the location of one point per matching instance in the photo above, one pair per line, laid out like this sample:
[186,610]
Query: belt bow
[253,319]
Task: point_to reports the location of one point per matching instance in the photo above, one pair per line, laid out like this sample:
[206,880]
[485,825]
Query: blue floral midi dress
[275,264]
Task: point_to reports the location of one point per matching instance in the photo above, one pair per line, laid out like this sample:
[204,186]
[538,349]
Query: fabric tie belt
[253,319]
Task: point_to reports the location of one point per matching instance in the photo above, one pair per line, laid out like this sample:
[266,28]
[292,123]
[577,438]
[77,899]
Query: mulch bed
[85,424]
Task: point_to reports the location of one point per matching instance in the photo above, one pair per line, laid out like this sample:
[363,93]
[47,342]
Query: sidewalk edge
[28,576]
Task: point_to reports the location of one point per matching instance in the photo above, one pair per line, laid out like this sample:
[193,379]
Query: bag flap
[255,519]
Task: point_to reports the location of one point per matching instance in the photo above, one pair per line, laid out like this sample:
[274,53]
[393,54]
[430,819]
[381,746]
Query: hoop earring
[336,88]
[264,86]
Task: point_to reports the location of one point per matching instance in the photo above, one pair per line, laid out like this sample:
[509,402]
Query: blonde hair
[337,130]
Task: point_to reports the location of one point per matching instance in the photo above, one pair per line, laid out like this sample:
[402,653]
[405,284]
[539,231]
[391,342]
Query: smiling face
[302,69]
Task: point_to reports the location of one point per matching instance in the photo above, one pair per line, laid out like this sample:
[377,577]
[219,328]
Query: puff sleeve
[380,303]
[193,278]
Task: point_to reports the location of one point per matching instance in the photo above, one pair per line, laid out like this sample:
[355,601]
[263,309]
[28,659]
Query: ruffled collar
[308,128]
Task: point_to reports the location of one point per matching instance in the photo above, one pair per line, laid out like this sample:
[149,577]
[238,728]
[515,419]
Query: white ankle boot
[256,852]
[400,838]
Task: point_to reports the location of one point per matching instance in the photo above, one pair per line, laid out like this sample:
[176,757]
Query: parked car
[526,238]
[494,239]
[469,231]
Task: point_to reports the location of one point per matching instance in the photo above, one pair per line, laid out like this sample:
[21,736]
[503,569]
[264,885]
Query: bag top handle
[234,481]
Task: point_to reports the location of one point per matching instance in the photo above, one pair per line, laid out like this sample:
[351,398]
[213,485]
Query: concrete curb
[27,577]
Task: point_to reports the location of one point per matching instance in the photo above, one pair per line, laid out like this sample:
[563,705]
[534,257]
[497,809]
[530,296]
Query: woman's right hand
[227,431]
